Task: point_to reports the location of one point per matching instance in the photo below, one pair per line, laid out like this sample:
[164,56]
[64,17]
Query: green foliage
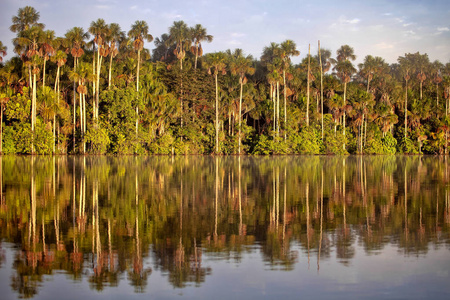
[307,141]
[98,139]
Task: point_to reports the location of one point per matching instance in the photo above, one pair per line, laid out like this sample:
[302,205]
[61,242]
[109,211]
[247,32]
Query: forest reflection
[109,218]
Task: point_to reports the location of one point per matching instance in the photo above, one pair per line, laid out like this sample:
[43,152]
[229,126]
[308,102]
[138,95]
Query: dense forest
[101,91]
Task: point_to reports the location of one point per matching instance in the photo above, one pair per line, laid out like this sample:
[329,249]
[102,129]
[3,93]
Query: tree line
[101,91]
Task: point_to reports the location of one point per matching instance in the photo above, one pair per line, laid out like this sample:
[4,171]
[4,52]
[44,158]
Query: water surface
[224,227]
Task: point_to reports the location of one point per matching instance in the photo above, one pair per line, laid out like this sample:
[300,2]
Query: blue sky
[386,28]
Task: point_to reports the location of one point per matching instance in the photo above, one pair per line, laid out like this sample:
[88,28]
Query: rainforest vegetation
[99,90]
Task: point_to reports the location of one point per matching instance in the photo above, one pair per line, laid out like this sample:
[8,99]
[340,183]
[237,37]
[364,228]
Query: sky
[385,28]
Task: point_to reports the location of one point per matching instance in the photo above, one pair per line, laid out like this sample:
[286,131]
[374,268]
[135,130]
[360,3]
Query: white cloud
[384,45]
[238,34]
[134,7]
[442,29]
[344,20]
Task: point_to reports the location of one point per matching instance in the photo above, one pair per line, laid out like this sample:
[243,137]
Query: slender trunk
[361,134]
[81,120]
[196,55]
[368,83]
[321,87]
[110,67]
[137,89]
[437,95]
[43,72]
[278,108]
[99,65]
[284,94]
[406,110]
[307,87]
[33,116]
[272,95]
[240,113]
[74,103]
[217,114]
[345,100]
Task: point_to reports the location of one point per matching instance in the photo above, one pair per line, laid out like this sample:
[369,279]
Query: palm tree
[324,56]
[28,40]
[180,35]
[288,49]
[115,35]
[3,49]
[99,29]
[47,49]
[217,62]
[25,19]
[241,66]
[198,34]
[83,75]
[422,64]
[75,38]
[437,67]
[406,68]
[138,33]
[272,60]
[345,70]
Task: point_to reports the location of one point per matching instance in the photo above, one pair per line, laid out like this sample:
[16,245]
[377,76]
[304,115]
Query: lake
[204,227]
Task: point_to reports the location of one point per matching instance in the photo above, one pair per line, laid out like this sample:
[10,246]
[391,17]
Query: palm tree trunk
[307,88]
[33,114]
[240,113]
[109,73]
[406,110]
[343,117]
[43,73]
[74,103]
[217,115]
[321,87]
[81,119]
[196,55]
[272,95]
[284,94]
[137,89]
[278,108]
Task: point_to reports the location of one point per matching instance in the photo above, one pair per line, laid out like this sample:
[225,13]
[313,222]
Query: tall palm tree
[273,62]
[241,65]
[180,35]
[47,49]
[345,70]
[75,39]
[198,34]
[422,63]
[115,35]
[28,41]
[324,56]
[139,33]
[25,19]
[436,70]
[406,69]
[288,48]
[216,62]
[99,29]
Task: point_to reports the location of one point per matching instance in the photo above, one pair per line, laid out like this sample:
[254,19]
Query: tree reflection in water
[101,218]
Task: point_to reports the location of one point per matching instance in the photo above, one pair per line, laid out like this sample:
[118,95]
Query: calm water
[225,228]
